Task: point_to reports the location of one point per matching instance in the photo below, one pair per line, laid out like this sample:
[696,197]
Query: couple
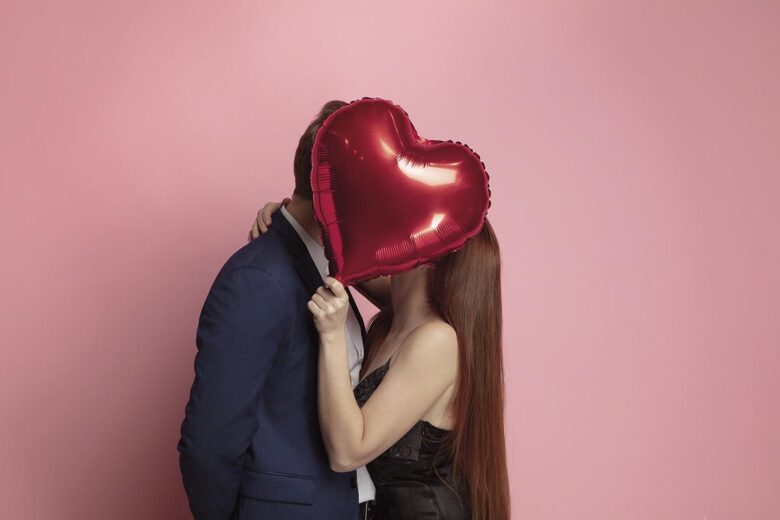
[296,412]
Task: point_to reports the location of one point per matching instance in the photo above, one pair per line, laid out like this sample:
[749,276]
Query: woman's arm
[424,368]
[376,290]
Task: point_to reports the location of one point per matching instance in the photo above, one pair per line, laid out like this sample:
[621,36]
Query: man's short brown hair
[302,163]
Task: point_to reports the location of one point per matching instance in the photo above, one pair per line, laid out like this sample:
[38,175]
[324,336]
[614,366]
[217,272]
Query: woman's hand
[263,219]
[329,307]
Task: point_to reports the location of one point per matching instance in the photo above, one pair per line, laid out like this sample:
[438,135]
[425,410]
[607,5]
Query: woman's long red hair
[465,289]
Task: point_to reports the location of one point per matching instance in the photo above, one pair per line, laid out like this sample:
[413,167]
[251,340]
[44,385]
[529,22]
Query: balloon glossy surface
[386,198]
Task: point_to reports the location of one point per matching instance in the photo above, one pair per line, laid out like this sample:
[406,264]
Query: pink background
[633,150]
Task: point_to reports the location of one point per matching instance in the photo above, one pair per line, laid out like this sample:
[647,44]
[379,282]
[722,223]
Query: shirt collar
[316,251]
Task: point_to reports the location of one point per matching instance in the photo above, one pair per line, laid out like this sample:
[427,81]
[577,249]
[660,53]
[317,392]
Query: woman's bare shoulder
[434,341]
[436,330]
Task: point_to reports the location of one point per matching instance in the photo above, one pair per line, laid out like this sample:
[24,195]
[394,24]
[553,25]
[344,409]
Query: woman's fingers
[329,309]
[270,207]
[314,309]
[260,221]
[336,287]
[326,293]
[320,301]
[263,219]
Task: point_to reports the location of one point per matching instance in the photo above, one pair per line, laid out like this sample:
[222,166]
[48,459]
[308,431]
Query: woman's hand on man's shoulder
[263,219]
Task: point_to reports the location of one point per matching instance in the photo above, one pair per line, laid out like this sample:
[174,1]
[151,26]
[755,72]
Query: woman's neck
[409,295]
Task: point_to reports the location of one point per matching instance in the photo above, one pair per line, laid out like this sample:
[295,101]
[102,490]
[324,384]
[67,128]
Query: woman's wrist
[334,337]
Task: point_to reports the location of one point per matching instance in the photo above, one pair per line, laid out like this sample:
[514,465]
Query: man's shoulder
[266,253]
[259,273]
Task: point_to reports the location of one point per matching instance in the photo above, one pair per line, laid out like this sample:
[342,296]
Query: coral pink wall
[633,149]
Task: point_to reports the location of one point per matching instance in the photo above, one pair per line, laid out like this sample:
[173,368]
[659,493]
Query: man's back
[251,443]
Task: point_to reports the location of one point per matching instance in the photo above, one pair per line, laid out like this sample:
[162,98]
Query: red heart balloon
[387,199]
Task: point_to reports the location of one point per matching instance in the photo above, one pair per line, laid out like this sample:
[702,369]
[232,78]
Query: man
[250,444]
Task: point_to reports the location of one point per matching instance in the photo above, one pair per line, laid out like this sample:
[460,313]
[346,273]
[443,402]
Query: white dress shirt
[366,489]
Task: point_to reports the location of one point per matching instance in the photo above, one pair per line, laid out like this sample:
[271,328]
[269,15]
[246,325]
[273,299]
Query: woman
[427,415]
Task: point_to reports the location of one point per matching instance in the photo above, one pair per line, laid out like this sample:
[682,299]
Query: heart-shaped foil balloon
[387,199]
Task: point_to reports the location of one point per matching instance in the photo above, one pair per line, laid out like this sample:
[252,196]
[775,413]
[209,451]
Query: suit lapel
[357,315]
[304,264]
[302,261]
[308,272]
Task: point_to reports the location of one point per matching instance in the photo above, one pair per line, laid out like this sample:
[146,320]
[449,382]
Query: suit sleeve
[242,325]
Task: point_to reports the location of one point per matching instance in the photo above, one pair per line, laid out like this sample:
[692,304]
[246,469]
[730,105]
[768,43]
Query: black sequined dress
[413,478]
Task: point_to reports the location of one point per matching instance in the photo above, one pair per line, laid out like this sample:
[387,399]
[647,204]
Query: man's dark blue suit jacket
[250,446]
